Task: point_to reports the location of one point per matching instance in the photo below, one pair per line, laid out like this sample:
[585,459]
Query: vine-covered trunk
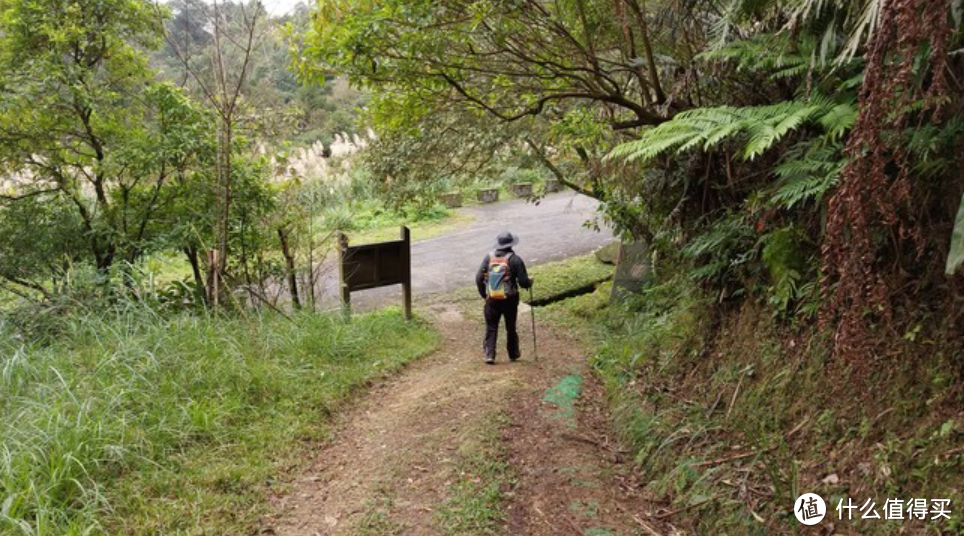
[905,84]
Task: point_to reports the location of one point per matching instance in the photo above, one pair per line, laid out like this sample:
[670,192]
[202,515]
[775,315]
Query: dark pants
[494,310]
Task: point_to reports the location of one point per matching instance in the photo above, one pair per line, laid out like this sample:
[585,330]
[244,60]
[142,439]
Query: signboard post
[407,267]
[375,265]
[343,288]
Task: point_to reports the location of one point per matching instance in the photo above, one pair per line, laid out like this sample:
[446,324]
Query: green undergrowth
[475,506]
[579,314]
[367,214]
[425,227]
[132,422]
[731,413]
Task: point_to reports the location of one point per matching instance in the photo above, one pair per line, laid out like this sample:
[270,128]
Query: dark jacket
[518,276]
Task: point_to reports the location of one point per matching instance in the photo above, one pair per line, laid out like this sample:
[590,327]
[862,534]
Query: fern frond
[774,55]
[725,244]
[838,120]
[802,190]
[707,128]
[807,174]
[849,23]
[720,30]
[649,147]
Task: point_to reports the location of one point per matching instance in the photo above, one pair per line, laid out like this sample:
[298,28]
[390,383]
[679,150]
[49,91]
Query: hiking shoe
[489,360]
[514,359]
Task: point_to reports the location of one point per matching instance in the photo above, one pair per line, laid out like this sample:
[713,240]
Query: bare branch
[28,195]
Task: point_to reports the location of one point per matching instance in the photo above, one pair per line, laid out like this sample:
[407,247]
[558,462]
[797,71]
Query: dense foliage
[87,129]
[803,151]
[122,141]
[126,156]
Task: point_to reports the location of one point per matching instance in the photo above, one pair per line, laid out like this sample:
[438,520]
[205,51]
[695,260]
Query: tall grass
[136,423]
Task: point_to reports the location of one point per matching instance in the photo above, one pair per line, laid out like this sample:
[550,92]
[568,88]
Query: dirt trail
[394,456]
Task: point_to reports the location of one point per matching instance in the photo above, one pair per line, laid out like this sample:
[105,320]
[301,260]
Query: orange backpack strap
[507,256]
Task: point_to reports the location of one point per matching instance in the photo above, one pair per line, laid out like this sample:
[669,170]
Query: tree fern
[775,55]
[721,30]
[839,120]
[760,126]
[722,248]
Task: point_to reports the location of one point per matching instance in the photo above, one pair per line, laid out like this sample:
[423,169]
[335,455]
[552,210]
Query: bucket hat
[506,240]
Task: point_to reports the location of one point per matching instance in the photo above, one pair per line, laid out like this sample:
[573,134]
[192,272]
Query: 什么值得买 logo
[810,509]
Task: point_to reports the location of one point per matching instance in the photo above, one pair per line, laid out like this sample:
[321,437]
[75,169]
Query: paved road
[549,231]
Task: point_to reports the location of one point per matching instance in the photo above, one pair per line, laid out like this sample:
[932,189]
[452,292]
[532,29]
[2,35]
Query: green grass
[580,314]
[135,423]
[420,230]
[475,504]
[371,216]
[375,519]
[562,278]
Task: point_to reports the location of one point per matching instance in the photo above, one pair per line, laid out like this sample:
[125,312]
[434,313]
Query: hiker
[499,279]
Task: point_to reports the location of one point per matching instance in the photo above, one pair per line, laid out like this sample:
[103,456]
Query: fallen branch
[735,393]
[573,525]
[639,521]
[731,458]
[646,526]
[715,404]
[952,452]
[581,439]
[749,489]
[672,513]
[267,302]
[798,427]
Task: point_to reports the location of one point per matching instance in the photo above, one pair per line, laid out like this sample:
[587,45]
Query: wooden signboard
[376,265]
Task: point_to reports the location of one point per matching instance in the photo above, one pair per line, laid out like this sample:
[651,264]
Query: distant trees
[220,73]
[130,129]
[92,148]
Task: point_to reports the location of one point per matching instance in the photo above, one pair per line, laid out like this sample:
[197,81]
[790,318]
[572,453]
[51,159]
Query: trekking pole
[532,314]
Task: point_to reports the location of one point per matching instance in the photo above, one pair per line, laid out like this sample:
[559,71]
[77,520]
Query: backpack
[497,286]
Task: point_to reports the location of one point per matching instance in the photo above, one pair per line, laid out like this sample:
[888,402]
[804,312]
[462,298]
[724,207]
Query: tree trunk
[289,267]
[225,209]
[191,253]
